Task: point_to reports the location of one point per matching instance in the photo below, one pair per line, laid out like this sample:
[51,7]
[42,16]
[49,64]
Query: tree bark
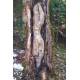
[39,41]
[27,24]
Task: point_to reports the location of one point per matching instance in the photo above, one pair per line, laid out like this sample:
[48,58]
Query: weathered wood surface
[38,42]
[36,20]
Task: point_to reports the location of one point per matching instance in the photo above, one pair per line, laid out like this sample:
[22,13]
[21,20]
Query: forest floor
[60,64]
[59,70]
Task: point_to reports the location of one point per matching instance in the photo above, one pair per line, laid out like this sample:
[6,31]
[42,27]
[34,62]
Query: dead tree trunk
[38,42]
[38,48]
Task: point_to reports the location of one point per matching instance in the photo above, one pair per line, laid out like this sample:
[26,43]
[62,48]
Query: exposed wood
[38,43]
[36,18]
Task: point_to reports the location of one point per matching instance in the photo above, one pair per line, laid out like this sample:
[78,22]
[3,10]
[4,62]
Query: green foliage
[18,6]
[57,12]
[18,24]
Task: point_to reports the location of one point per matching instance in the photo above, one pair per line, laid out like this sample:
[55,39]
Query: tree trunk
[38,48]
